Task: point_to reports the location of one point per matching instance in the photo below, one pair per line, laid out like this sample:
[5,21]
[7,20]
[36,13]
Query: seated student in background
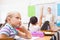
[34,26]
[46,26]
[13,20]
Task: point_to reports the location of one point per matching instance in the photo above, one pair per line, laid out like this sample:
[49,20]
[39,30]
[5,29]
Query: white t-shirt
[33,28]
[48,17]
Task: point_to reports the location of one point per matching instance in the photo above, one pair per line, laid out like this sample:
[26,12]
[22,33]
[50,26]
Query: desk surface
[44,38]
[40,38]
[6,39]
[49,33]
[35,38]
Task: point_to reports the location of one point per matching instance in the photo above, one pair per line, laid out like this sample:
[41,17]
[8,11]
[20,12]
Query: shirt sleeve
[5,31]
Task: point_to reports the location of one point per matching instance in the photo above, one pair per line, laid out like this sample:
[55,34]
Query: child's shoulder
[5,28]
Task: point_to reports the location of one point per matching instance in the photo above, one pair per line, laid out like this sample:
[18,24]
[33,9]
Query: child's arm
[3,36]
[41,15]
[25,33]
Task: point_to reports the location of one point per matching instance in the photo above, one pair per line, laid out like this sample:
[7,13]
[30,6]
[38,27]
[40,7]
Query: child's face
[15,20]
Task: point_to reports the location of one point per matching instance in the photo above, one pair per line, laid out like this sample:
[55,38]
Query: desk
[49,33]
[47,38]
[40,38]
[6,39]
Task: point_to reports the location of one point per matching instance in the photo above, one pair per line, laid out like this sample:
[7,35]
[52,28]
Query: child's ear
[8,18]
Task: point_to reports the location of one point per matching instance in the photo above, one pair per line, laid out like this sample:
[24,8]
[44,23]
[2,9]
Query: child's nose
[19,20]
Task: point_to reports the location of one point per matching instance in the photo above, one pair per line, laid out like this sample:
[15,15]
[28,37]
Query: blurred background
[28,8]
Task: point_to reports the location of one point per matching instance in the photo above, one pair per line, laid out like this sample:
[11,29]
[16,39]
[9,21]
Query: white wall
[19,5]
[13,5]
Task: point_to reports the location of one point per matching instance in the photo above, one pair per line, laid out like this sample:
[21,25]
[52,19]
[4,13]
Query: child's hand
[29,36]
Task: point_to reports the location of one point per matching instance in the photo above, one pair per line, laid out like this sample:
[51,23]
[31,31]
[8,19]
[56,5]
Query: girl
[33,27]
[46,26]
[13,20]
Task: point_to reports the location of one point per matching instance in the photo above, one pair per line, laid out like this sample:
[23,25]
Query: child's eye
[18,18]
